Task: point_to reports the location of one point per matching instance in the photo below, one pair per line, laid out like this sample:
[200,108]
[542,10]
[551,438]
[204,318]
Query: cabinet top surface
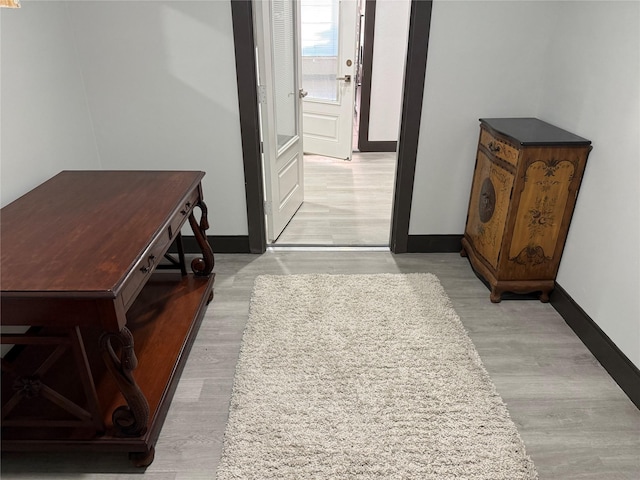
[81,232]
[531,131]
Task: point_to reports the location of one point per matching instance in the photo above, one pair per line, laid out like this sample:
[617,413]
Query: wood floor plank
[575,421]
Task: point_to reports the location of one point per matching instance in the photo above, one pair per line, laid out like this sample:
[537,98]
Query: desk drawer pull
[149,266]
[185,210]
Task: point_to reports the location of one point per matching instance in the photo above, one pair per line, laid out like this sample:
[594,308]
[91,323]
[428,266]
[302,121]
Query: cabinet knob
[493,147]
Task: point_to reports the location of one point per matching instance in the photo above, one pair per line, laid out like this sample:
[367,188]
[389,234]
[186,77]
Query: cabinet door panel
[540,214]
[488,208]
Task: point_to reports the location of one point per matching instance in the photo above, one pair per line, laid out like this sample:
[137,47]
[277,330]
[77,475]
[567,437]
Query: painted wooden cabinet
[524,189]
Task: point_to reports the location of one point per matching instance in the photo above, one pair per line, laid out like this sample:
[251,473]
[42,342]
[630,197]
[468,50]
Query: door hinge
[267,207]
[261,147]
[262,94]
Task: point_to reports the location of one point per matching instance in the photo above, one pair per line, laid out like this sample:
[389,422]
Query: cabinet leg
[463,252]
[495,296]
[544,296]
[142,459]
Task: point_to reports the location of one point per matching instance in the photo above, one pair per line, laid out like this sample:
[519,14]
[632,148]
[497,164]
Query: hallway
[345,202]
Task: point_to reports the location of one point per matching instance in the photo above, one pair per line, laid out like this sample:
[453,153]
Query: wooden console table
[108,330]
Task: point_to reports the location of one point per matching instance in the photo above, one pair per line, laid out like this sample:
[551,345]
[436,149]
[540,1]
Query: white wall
[46,125]
[484,60]
[387,77]
[575,65]
[161,84]
[592,87]
[123,85]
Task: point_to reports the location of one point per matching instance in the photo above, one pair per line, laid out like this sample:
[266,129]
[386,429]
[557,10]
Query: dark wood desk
[108,331]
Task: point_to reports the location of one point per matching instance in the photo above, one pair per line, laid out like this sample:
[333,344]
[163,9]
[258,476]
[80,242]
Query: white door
[277,25]
[329,55]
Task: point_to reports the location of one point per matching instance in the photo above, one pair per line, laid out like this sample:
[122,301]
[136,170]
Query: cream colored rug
[364,376]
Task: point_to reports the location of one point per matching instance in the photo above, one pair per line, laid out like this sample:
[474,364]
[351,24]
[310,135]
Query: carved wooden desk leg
[201,266]
[180,247]
[131,419]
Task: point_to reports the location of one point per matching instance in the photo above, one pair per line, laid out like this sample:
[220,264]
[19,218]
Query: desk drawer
[152,257]
[182,215]
[499,148]
[143,270]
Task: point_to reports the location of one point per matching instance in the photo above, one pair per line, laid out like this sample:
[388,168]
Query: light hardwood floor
[345,202]
[575,421]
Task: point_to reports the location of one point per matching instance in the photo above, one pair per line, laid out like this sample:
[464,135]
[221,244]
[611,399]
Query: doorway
[348,194]
[420,19]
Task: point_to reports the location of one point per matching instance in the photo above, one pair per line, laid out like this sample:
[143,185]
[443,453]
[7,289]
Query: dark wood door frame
[419,23]
[364,143]
[247,79]
[414,78]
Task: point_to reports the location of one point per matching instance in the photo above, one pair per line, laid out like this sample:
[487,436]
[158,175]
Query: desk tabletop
[80,232]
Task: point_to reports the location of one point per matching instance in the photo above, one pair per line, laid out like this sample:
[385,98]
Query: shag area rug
[364,376]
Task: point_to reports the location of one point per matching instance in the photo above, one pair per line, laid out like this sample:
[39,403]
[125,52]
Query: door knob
[303,93]
[346,78]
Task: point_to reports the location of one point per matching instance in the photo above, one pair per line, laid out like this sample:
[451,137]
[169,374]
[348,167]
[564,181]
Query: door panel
[322,126]
[278,48]
[288,188]
[329,58]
